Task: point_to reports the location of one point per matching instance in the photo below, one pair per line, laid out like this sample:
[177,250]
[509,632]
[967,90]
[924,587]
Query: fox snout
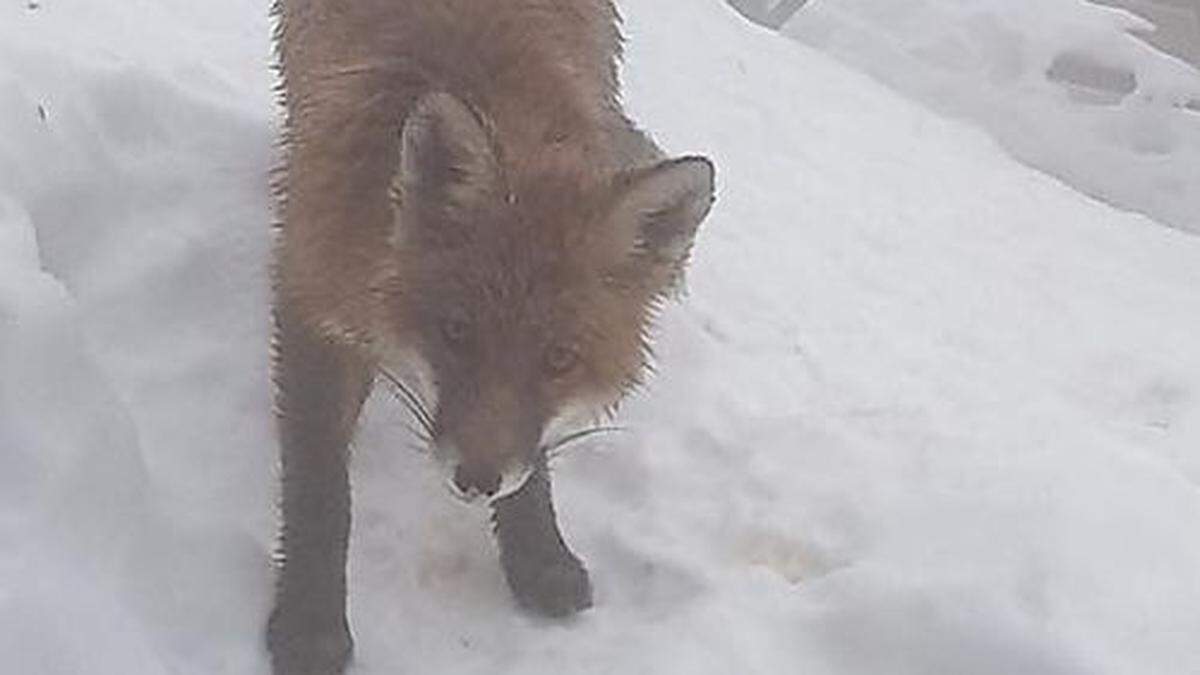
[489,447]
[470,481]
[491,475]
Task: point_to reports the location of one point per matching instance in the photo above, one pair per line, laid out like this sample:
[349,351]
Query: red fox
[461,196]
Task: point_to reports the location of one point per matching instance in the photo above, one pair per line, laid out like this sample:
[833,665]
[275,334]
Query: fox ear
[657,213]
[448,168]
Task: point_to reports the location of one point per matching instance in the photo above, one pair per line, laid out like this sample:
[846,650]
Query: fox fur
[461,196]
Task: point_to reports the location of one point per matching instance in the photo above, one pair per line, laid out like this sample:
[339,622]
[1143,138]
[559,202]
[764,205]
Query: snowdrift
[924,410]
[1064,85]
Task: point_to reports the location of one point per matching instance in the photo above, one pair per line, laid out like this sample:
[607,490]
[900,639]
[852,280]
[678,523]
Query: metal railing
[771,14]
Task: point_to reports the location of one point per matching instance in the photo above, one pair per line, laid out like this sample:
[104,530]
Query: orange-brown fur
[543,71]
[461,189]
[542,265]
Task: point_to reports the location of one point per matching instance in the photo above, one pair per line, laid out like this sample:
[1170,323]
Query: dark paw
[300,646]
[556,587]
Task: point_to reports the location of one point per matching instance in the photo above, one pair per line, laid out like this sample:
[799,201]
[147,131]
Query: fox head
[526,300]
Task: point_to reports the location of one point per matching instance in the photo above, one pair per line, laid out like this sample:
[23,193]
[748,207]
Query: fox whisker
[412,402]
[555,449]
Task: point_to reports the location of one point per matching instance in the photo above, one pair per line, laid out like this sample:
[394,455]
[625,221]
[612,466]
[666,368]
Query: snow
[924,410]
[1064,85]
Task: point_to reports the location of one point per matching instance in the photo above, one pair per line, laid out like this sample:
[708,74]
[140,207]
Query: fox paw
[298,647]
[557,587]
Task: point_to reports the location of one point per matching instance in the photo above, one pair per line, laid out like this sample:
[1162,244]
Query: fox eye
[455,330]
[561,359]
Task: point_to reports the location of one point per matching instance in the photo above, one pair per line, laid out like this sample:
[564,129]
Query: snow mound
[1064,85]
[924,411]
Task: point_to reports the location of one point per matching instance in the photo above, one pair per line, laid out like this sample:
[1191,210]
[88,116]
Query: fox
[465,210]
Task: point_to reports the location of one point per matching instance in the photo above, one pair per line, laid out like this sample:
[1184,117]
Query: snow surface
[924,411]
[1064,85]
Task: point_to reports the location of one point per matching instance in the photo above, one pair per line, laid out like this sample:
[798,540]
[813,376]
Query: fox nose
[473,482]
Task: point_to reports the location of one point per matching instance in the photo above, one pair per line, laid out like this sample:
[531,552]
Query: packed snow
[923,411]
[1069,86]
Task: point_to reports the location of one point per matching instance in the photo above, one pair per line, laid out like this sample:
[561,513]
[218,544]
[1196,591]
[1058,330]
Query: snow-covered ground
[1064,85]
[924,411]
